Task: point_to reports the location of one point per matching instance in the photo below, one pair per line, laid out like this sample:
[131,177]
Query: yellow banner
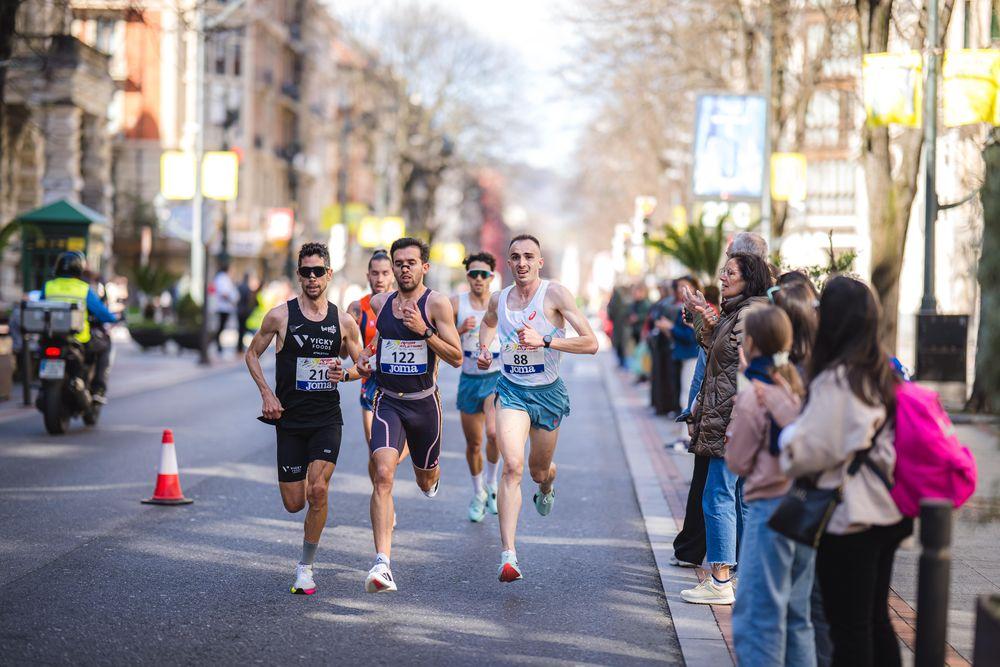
[970,86]
[892,88]
[788,177]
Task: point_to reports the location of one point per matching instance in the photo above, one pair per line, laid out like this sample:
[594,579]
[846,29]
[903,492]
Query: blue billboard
[729,146]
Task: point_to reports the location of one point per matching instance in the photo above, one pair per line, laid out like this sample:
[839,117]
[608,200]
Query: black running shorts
[417,422]
[298,447]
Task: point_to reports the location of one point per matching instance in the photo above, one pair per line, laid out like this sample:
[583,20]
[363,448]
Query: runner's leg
[512,433]
[293,495]
[490,418]
[384,462]
[543,449]
[472,427]
[316,488]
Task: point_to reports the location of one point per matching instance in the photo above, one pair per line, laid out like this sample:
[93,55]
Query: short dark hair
[410,242]
[756,273]
[484,257]
[694,282]
[524,237]
[315,249]
[377,255]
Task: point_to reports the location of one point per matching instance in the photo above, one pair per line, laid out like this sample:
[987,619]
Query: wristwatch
[547,340]
[429,331]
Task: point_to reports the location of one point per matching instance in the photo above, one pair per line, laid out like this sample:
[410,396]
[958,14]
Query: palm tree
[698,246]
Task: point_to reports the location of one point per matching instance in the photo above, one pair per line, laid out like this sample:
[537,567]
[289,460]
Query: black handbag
[805,511]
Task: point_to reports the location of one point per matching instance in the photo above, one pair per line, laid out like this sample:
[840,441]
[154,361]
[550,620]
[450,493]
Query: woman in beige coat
[845,418]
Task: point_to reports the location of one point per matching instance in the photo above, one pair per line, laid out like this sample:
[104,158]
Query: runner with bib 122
[530,319]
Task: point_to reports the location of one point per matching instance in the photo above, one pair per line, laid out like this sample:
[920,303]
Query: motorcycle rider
[69,286]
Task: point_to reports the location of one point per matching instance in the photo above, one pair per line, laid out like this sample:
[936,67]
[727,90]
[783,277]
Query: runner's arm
[446,343]
[585,341]
[488,325]
[454,307]
[350,346]
[355,310]
[273,322]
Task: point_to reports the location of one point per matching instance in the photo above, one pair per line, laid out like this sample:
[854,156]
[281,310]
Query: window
[104,32]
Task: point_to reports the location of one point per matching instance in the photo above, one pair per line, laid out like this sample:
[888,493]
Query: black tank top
[310,400]
[405,363]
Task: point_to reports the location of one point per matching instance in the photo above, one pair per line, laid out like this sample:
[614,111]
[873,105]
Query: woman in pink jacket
[771,620]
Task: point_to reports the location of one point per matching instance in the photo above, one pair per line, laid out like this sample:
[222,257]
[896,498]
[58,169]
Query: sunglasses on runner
[479,273]
[312,271]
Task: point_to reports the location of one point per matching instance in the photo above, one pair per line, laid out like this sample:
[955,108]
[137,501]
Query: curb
[698,632]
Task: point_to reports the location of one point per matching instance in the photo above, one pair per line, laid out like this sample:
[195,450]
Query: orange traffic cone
[168,482]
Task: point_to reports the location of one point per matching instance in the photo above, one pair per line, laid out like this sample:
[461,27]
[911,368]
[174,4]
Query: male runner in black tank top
[313,335]
[416,326]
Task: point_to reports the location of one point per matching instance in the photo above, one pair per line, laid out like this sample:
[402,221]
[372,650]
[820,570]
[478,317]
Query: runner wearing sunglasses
[530,319]
[476,387]
[313,335]
[415,326]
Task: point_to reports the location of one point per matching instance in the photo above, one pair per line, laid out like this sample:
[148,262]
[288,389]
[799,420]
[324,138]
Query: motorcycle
[64,369]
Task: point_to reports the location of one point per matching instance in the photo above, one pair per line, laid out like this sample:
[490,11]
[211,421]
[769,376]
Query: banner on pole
[892,88]
[970,86]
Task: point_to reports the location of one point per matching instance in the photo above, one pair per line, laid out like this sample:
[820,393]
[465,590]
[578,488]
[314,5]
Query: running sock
[491,470]
[478,485]
[381,558]
[308,552]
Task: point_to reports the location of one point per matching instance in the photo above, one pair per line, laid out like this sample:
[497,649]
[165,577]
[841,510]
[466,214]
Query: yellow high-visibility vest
[71,290]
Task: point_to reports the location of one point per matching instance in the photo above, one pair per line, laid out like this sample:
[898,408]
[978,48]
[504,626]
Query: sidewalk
[134,371]
[662,477]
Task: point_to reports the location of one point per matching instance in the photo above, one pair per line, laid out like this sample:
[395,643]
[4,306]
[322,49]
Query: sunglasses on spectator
[771,291]
[312,271]
[479,273]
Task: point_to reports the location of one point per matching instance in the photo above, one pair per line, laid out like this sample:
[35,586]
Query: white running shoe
[710,592]
[434,490]
[491,498]
[380,579]
[304,584]
[509,569]
[477,508]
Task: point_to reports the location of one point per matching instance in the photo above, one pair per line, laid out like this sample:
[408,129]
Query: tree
[891,158]
[698,247]
[986,386]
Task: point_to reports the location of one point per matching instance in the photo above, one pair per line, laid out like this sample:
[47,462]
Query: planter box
[187,339]
[147,337]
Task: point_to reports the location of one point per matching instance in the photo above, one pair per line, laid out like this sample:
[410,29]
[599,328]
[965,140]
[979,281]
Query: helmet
[70,265]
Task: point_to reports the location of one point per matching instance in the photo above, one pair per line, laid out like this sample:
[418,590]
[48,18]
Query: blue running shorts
[473,390]
[546,405]
[368,394]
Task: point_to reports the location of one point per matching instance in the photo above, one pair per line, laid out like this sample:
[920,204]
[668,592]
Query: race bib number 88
[518,360]
[311,374]
[402,357]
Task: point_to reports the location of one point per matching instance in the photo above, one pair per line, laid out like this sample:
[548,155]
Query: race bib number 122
[403,357]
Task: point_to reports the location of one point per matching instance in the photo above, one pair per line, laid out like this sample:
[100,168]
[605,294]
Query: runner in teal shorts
[476,386]
[529,318]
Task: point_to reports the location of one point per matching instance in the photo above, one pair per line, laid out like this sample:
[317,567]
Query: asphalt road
[90,576]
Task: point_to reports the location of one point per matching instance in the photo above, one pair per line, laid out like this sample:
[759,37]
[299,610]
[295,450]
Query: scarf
[760,368]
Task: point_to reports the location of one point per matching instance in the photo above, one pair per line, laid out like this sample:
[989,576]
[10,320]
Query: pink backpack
[930,460]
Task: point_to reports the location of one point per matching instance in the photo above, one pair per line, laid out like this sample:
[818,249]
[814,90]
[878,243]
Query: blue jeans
[725,513]
[699,377]
[771,622]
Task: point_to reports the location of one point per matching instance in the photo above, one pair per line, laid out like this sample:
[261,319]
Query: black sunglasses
[312,271]
[479,273]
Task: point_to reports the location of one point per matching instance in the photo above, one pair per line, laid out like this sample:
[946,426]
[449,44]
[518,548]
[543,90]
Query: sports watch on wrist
[547,340]
[429,331]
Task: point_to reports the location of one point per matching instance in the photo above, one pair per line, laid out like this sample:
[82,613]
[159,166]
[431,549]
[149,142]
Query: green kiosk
[57,227]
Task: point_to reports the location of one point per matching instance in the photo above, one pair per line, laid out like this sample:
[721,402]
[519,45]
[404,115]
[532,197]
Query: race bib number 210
[311,374]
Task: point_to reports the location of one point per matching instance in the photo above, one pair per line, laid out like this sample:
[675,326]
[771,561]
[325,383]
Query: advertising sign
[729,146]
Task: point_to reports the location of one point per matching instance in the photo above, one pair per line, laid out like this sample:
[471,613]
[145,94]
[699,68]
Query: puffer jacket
[718,392]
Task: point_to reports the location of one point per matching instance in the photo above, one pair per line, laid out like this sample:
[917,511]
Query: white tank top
[531,368]
[470,339]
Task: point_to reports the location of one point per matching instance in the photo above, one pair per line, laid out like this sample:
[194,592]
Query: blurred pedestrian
[844,439]
[618,314]
[771,618]
[638,313]
[225,297]
[245,306]
[664,379]
[745,280]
